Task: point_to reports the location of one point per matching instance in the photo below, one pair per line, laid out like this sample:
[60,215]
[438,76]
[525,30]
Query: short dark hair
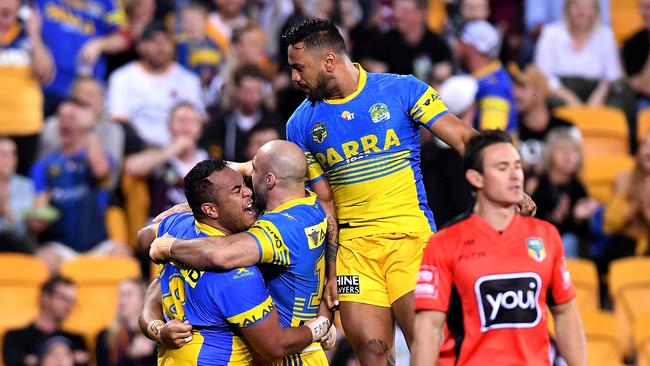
[473,158]
[248,70]
[197,186]
[152,28]
[50,285]
[315,33]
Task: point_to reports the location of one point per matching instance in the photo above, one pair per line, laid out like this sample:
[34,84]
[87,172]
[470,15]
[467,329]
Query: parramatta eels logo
[319,132]
[379,112]
[347,115]
[536,249]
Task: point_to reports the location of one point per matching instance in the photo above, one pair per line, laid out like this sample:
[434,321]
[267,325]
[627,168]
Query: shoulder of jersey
[534,222]
[388,81]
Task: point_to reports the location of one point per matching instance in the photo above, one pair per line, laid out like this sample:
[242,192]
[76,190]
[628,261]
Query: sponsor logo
[379,112]
[428,279]
[348,284]
[351,151]
[536,249]
[319,132]
[508,300]
[242,272]
[347,115]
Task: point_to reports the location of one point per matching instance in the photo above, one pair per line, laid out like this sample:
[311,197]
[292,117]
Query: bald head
[283,159]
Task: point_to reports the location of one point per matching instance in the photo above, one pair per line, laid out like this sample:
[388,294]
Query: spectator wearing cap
[478,50]
[535,120]
[141,93]
[30,345]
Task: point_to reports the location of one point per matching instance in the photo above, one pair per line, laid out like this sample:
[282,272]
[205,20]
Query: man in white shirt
[143,92]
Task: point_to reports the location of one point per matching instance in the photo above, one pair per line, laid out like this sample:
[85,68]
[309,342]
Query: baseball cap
[458,93]
[481,35]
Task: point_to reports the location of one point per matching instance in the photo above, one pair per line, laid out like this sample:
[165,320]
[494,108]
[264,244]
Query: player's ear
[330,61]
[475,178]
[210,210]
[270,181]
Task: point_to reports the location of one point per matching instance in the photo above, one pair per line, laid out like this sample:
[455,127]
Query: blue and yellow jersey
[21,98]
[67,26]
[496,103]
[203,57]
[291,240]
[368,147]
[217,304]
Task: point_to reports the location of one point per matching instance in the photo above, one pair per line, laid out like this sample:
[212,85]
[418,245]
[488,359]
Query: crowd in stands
[105,105]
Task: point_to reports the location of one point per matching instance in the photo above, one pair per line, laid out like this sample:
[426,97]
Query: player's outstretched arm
[569,332]
[217,253]
[453,132]
[324,193]
[245,168]
[151,318]
[146,236]
[428,337]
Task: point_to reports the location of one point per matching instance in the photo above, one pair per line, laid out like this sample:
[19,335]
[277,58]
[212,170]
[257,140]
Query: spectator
[411,48]
[72,179]
[199,53]
[166,167]
[225,135]
[535,120]
[478,49]
[22,346]
[16,198]
[224,20]
[139,13]
[539,13]
[142,92]
[259,135]
[579,56]
[271,16]
[122,343]
[89,92]
[79,34]
[560,195]
[56,351]
[636,57]
[25,63]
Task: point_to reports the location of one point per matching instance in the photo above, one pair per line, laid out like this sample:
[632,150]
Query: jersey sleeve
[245,301]
[433,289]
[168,222]
[423,103]
[114,17]
[314,169]
[561,289]
[494,112]
[38,175]
[270,242]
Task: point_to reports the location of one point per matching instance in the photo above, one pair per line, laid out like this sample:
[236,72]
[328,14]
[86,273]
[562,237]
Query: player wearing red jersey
[506,269]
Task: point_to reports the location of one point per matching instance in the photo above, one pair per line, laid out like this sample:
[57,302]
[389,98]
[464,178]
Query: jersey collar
[487,69]
[208,230]
[362,83]
[309,200]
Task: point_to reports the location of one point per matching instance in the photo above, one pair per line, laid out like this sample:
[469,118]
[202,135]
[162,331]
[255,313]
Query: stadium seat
[599,172]
[585,279]
[603,348]
[642,124]
[629,287]
[642,339]
[20,280]
[97,279]
[625,19]
[117,225]
[136,204]
[604,129]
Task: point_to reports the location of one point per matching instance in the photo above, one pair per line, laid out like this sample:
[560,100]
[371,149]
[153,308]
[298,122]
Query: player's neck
[496,215]
[281,195]
[347,81]
[214,223]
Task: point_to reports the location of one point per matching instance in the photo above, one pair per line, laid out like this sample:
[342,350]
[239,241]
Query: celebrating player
[506,269]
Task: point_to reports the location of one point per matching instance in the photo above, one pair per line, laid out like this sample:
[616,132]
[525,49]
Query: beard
[322,90]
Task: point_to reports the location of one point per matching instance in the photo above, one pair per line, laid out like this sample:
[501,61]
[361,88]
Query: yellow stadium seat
[642,339]
[585,279]
[136,204]
[436,15]
[604,129]
[600,172]
[117,225]
[629,287]
[643,124]
[21,277]
[97,279]
[625,19]
[603,348]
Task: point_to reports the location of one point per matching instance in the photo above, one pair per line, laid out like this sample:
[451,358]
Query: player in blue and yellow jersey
[287,240]
[360,132]
[231,309]
[478,50]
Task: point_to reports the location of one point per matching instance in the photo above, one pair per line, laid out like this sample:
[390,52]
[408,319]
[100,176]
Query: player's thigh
[316,358]
[367,327]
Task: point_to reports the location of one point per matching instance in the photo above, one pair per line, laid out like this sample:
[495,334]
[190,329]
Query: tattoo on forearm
[390,358]
[332,250]
[332,238]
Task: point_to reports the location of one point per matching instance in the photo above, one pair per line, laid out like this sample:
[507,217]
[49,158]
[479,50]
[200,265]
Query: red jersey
[504,281]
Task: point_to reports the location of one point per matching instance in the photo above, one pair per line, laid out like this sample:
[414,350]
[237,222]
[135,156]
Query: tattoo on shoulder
[390,358]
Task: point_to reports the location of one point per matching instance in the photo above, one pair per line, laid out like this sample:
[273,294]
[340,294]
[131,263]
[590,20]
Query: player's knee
[376,351]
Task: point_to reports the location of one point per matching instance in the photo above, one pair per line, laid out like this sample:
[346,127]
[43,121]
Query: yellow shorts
[313,358]
[379,269]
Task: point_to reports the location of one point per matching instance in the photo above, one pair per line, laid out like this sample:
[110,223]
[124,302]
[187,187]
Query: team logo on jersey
[508,300]
[347,115]
[536,249]
[379,112]
[319,132]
